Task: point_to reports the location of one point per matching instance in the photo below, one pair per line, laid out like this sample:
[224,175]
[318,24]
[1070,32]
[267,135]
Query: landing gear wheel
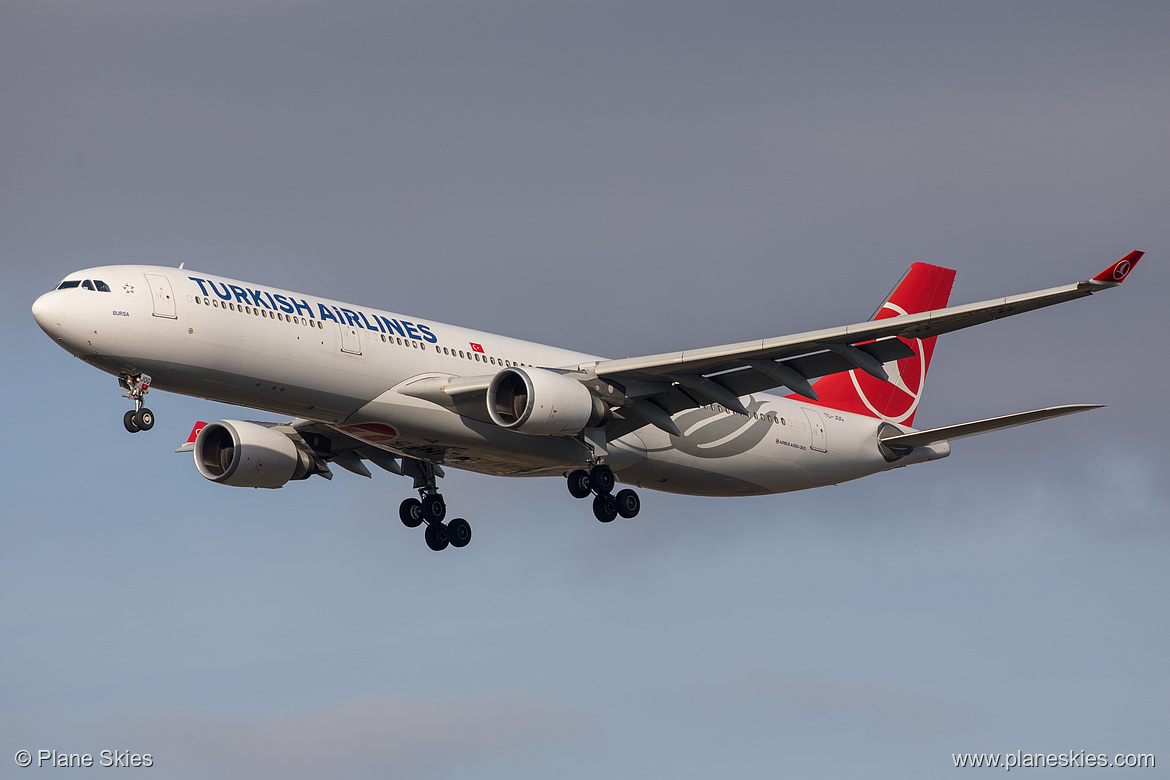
[437,538]
[579,483]
[601,479]
[628,503]
[144,419]
[129,421]
[459,532]
[410,511]
[434,508]
[605,508]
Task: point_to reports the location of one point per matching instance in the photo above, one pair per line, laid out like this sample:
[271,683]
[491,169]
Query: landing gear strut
[430,508]
[139,418]
[600,481]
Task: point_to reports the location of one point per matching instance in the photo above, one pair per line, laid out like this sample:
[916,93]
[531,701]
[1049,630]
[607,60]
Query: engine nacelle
[542,402]
[244,454]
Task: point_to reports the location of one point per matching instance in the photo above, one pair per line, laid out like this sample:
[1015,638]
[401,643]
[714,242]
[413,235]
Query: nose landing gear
[139,418]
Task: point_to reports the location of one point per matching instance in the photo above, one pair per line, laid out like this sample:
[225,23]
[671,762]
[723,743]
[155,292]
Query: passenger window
[101,286]
[69,285]
[88,285]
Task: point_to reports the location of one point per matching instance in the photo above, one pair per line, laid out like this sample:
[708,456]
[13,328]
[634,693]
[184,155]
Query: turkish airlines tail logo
[923,288]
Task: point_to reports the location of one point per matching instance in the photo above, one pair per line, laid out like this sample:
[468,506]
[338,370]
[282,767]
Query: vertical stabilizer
[923,288]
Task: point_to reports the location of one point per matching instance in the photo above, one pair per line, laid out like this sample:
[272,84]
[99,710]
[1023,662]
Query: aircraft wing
[648,390]
[657,386]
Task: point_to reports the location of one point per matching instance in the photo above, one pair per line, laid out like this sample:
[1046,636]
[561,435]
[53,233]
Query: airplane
[413,396]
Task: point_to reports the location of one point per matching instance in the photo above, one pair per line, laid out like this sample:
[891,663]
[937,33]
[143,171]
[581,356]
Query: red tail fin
[923,288]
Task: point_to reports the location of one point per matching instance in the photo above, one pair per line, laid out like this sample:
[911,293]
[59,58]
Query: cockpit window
[87,285]
[101,286]
[69,284]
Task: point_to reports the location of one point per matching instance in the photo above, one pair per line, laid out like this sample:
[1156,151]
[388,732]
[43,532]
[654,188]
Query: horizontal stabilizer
[919,438]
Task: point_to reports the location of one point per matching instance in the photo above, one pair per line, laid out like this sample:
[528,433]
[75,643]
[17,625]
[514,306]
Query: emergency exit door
[160,291]
[351,342]
[819,441]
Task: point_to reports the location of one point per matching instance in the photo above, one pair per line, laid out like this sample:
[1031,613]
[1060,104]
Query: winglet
[190,445]
[1116,273]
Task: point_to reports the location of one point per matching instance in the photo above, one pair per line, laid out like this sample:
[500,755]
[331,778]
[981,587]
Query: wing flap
[753,380]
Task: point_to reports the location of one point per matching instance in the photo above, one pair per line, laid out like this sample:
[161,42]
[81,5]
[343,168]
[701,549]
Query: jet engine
[245,454]
[542,402]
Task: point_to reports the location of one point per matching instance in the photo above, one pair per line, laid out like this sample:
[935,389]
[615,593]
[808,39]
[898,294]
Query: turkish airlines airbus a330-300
[412,395]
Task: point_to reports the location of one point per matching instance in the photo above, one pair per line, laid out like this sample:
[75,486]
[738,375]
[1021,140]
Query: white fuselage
[342,365]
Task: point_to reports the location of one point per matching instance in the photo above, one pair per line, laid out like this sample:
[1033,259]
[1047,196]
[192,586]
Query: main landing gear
[139,418]
[431,508]
[600,481]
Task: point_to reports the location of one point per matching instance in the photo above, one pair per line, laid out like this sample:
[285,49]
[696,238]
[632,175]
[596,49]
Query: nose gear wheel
[139,418]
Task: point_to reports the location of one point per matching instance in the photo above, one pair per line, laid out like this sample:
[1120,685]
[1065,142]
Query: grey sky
[623,179]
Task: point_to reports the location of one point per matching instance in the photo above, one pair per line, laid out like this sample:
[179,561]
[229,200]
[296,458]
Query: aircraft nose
[49,311]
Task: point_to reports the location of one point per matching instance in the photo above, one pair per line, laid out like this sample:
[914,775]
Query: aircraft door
[350,340]
[816,424]
[160,291]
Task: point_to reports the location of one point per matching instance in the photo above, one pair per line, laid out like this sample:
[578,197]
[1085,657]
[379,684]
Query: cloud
[360,738]
[861,703]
